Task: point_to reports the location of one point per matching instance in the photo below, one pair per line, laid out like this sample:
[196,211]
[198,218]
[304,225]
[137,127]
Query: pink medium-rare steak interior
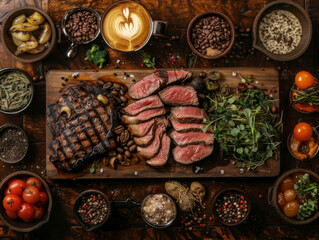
[188,114]
[141,105]
[162,156]
[178,76]
[188,127]
[141,129]
[151,150]
[179,95]
[184,139]
[143,116]
[192,153]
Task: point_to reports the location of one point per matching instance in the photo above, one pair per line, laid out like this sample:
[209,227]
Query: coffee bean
[117,86]
[132,148]
[127,154]
[107,85]
[115,93]
[123,99]
[120,157]
[119,129]
[120,150]
[125,148]
[130,143]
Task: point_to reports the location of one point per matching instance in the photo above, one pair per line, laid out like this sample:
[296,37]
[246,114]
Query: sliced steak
[188,114]
[162,156]
[149,136]
[188,127]
[192,153]
[143,116]
[152,149]
[184,139]
[148,85]
[140,130]
[141,105]
[175,77]
[176,95]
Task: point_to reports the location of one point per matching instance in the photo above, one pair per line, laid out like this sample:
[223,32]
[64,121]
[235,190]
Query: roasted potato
[39,48]
[16,41]
[26,27]
[26,46]
[36,19]
[19,19]
[45,34]
[21,35]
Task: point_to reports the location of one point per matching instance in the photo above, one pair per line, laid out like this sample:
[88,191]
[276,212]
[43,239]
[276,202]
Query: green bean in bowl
[16,90]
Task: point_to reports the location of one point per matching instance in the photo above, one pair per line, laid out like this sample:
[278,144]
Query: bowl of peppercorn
[91,209]
[14,143]
[211,35]
[231,206]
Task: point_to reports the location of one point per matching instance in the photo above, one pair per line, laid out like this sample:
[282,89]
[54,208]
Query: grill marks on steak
[86,133]
[175,77]
[141,105]
[162,156]
[179,95]
[184,139]
[143,116]
[188,114]
[188,127]
[192,153]
[151,150]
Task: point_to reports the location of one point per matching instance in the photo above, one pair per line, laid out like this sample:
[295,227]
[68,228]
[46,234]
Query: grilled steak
[175,77]
[188,114]
[191,153]
[179,95]
[152,149]
[140,130]
[162,156]
[141,105]
[143,116]
[188,127]
[148,85]
[147,139]
[184,139]
[81,125]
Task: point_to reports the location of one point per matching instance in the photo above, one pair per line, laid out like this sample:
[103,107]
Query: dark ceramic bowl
[305,22]
[7,70]
[273,192]
[10,47]
[207,14]
[18,224]
[76,206]
[219,194]
[6,126]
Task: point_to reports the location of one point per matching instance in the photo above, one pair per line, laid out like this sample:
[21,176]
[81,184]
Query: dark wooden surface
[124,223]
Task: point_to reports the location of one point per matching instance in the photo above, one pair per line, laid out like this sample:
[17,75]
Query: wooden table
[127,224]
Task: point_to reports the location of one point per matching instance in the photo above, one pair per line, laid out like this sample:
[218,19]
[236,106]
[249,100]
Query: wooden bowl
[273,192]
[305,22]
[76,205]
[18,224]
[10,47]
[205,14]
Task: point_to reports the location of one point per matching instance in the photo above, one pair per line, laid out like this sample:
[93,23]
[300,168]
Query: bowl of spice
[14,143]
[91,209]
[282,30]
[231,206]
[211,35]
[16,90]
[158,210]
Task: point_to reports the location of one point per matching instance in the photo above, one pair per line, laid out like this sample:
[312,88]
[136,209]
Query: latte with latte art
[126,26]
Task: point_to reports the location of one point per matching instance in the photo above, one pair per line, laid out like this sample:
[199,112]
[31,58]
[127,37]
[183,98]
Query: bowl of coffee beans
[211,35]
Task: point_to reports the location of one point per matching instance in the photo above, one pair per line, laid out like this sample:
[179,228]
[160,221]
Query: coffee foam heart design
[128,25]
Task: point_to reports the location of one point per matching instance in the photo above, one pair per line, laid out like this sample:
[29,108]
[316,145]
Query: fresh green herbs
[95,165]
[248,79]
[148,61]
[309,96]
[96,56]
[309,191]
[245,127]
[15,91]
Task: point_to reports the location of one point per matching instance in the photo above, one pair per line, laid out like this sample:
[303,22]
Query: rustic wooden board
[267,79]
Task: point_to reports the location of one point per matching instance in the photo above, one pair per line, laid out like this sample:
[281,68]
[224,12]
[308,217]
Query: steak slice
[176,95]
[140,130]
[141,105]
[188,127]
[143,116]
[162,156]
[192,153]
[184,139]
[149,136]
[188,114]
[148,85]
[175,77]
[152,149]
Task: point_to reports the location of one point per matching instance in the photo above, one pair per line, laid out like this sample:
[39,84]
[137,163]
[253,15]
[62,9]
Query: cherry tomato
[281,200]
[12,214]
[26,211]
[296,176]
[303,132]
[290,195]
[11,202]
[43,198]
[17,187]
[304,80]
[286,184]
[38,211]
[291,209]
[31,194]
[33,181]
[27,220]
[11,180]
[7,192]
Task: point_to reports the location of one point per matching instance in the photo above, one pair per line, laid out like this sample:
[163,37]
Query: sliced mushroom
[66,110]
[113,162]
[102,99]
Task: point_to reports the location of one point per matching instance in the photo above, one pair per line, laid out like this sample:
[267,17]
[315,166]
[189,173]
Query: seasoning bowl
[10,47]
[305,22]
[210,14]
[8,70]
[8,126]
[273,192]
[77,204]
[225,191]
[18,224]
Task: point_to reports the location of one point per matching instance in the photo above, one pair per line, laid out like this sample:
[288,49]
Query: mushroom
[67,110]
[102,99]
[113,162]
